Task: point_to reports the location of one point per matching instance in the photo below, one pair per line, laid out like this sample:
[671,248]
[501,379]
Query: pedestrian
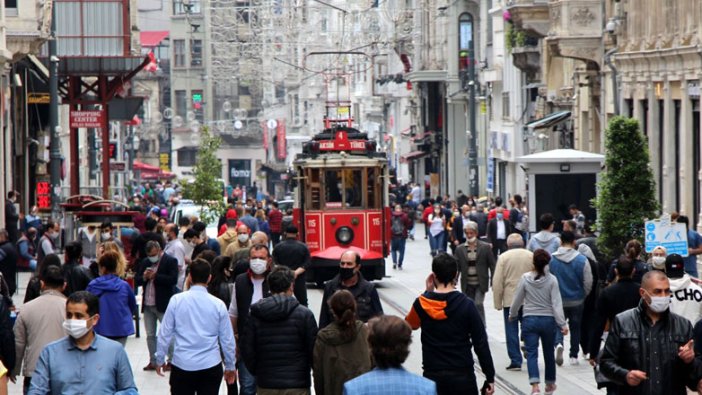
[498,230]
[107,233]
[76,275]
[341,351]
[476,264]
[542,309]
[618,297]
[351,279]
[249,288]
[198,244]
[295,255]
[117,301]
[459,236]
[12,218]
[694,247]
[518,217]
[275,222]
[248,218]
[88,237]
[203,338]
[579,219]
[47,243]
[545,238]
[451,328]
[477,215]
[34,283]
[8,261]
[437,230]
[657,260]
[213,245]
[509,270]
[158,275]
[221,285]
[664,363]
[26,248]
[176,249]
[139,245]
[400,225]
[263,225]
[574,275]
[240,261]
[83,362]
[242,241]
[40,323]
[32,219]
[686,295]
[633,250]
[230,233]
[279,340]
[389,339]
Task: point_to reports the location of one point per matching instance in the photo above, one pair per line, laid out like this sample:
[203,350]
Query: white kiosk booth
[559,178]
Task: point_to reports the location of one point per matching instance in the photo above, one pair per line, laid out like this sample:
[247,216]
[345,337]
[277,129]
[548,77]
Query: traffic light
[197,100]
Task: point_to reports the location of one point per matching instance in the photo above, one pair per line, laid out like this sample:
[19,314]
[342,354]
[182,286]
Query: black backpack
[397,227]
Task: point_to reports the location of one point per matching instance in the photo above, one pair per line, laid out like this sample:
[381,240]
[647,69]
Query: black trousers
[200,382]
[453,382]
[300,289]
[275,239]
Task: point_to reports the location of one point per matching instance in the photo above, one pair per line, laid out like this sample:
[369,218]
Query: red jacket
[493,213]
[275,221]
[426,212]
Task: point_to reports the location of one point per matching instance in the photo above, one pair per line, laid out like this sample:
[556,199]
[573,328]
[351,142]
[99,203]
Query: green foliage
[509,36]
[206,188]
[520,39]
[626,190]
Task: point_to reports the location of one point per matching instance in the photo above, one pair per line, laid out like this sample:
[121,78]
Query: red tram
[342,201]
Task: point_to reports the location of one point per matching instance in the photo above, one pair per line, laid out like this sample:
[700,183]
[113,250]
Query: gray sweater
[540,297]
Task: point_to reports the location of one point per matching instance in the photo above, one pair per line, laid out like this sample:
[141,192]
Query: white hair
[470,225]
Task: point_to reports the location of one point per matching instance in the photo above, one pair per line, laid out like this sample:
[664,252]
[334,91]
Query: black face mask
[346,273]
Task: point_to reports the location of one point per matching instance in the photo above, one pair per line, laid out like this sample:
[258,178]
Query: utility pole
[55,151]
[472,137]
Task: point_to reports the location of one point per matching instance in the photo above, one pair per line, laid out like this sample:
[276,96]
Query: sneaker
[535,391]
[513,367]
[550,389]
[400,267]
[559,355]
[394,266]
[574,362]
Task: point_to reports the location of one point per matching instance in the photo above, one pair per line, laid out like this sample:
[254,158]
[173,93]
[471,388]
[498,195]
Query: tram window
[353,188]
[313,190]
[373,188]
[332,188]
[343,188]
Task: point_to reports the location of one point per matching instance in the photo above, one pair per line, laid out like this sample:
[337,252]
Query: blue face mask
[153,259]
[500,216]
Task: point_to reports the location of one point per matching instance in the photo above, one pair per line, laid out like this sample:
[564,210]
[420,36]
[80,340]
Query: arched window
[465,40]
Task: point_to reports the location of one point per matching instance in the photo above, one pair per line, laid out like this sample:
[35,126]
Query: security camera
[611,26]
[54,58]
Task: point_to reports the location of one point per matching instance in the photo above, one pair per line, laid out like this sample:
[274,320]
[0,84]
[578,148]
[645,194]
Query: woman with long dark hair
[341,351]
[222,287]
[540,298]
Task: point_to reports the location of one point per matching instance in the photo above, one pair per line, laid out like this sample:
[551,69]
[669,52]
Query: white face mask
[658,262]
[76,328]
[471,239]
[106,235]
[243,238]
[258,265]
[659,304]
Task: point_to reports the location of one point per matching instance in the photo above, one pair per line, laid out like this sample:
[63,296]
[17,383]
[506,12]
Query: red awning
[153,38]
[413,156]
[144,168]
[162,174]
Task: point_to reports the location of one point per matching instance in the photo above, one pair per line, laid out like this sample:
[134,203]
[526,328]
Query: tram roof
[339,160]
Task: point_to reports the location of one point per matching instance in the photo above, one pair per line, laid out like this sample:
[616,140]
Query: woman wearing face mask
[657,259]
[117,301]
[437,231]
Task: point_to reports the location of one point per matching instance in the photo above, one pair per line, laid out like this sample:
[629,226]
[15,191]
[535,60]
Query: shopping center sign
[87,119]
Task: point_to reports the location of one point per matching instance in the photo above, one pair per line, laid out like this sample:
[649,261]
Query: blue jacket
[117,305]
[573,273]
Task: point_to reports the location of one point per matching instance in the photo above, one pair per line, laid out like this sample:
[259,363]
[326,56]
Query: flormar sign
[87,119]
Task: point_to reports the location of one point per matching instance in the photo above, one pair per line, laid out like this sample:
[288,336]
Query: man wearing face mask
[498,230]
[47,243]
[649,349]
[158,274]
[201,228]
[240,261]
[351,279]
[176,249]
[242,241]
[26,248]
[84,362]
[476,265]
[295,255]
[106,234]
[192,237]
[249,288]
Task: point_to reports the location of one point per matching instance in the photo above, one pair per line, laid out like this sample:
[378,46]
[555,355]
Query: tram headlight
[344,235]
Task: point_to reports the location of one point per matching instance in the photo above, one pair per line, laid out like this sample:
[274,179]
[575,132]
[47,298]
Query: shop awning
[414,155]
[153,38]
[549,120]
[160,175]
[144,168]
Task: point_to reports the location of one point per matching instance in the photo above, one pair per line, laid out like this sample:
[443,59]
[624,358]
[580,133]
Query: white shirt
[176,249]
[501,230]
[257,295]
[436,224]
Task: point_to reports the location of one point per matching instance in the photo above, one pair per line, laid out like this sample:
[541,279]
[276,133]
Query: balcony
[27,28]
[531,16]
[576,29]
[527,59]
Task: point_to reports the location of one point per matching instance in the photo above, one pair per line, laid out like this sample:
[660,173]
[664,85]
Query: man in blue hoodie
[574,276]
[545,239]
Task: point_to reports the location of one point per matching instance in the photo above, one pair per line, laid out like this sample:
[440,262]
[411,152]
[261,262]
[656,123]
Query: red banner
[282,151]
[87,119]
[43,194]
[264,127]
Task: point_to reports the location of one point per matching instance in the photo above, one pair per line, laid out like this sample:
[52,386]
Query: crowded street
[397,292]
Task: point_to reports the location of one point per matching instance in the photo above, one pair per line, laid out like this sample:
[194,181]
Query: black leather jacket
[633,344]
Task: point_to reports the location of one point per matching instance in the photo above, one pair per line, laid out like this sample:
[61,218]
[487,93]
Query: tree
[626,190]
[206,188]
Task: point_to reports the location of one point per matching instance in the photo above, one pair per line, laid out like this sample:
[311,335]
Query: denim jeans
[512,335]
[574,315]
[474,292]
[397,245]
[535,328]
[151,317]
[438,242]
[247,382]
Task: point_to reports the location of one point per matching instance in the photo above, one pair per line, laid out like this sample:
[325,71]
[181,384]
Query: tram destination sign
[87,119]
[341,142]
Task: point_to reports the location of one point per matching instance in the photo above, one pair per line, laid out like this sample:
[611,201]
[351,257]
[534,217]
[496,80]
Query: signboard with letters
[671,235]
[341,142]
[87,119]
[43,195]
